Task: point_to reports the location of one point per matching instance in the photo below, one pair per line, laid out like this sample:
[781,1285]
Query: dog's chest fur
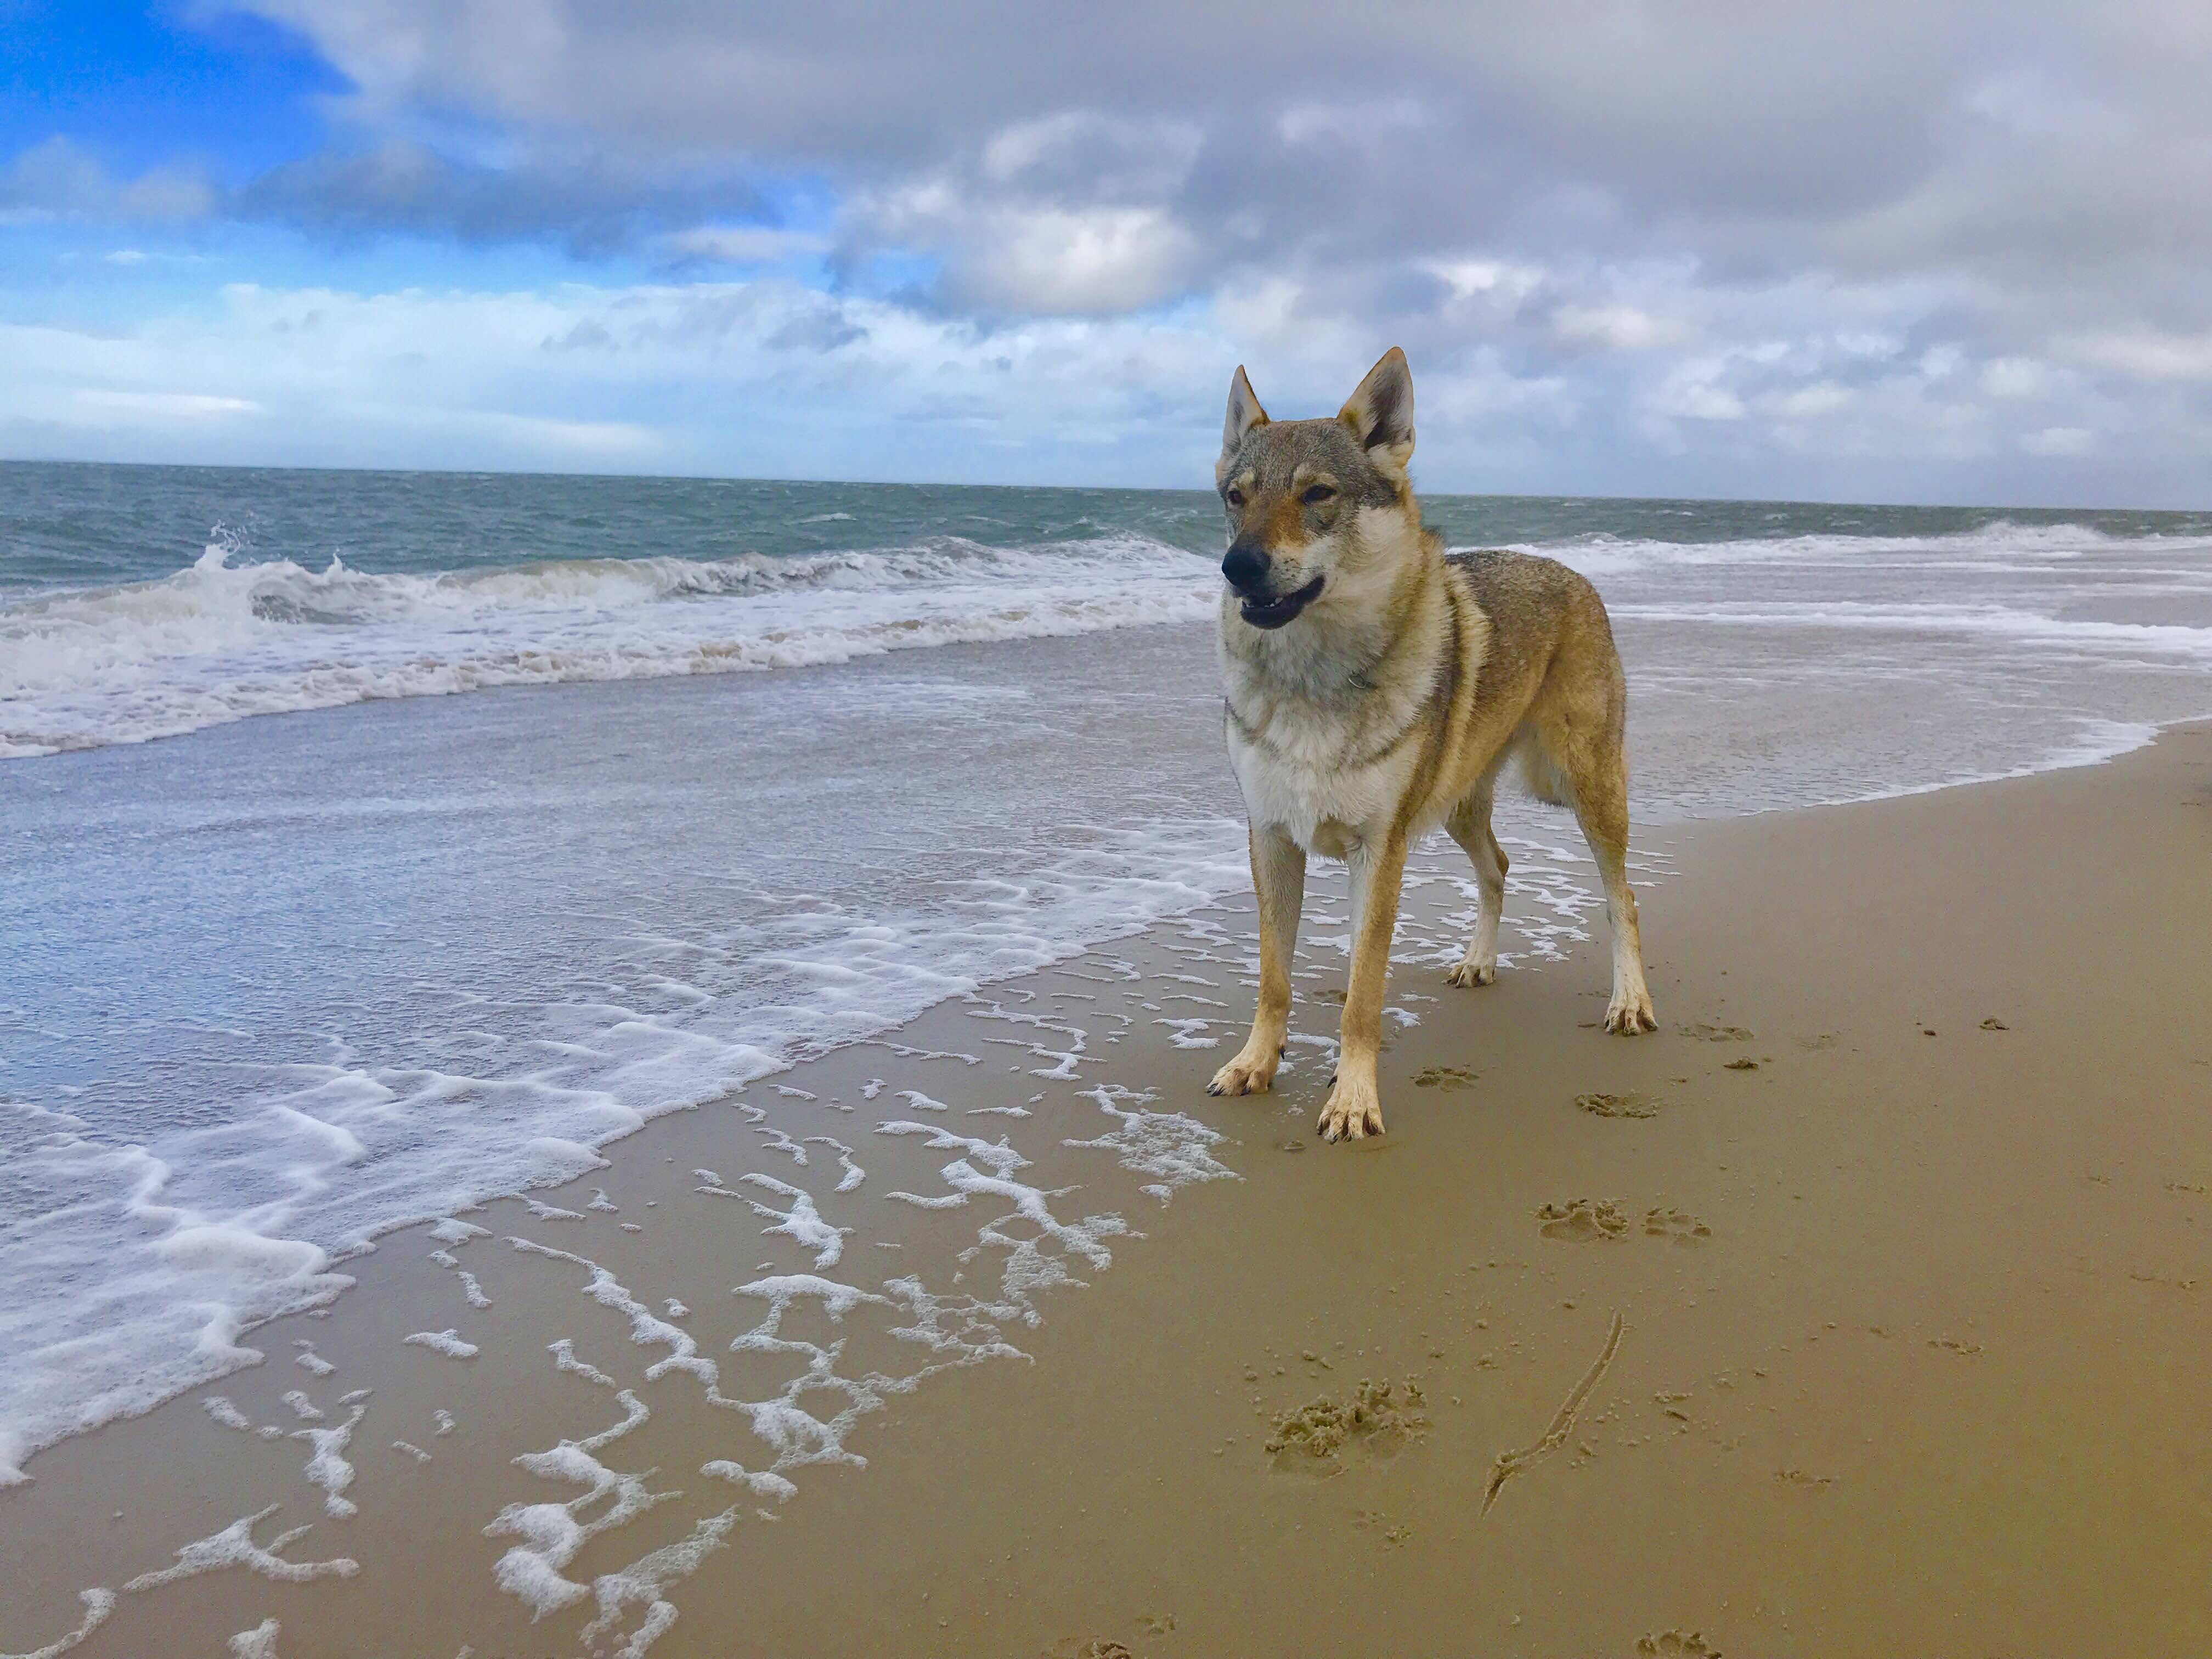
[1328,723]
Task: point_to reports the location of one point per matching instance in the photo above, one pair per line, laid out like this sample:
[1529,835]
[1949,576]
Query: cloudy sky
[1901,250]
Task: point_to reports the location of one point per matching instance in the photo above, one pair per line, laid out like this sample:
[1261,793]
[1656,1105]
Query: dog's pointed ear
[1244,413]
[1381,413]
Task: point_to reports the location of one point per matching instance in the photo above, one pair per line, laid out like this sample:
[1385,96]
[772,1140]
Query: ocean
[371,844]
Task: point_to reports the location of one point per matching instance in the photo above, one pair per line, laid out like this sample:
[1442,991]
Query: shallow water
[341,955]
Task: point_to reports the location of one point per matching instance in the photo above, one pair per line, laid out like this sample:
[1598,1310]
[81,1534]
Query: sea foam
[224,641]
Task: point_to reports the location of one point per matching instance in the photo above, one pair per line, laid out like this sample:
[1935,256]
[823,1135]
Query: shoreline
[2127,738]
[1103,1484]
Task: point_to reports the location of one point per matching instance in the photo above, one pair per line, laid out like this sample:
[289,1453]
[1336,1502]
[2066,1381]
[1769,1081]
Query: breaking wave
[224,640]
[231,636]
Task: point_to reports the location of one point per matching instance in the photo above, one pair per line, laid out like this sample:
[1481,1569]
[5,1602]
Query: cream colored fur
[1388,704]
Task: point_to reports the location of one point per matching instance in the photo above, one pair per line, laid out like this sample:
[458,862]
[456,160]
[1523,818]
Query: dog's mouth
[1274,613]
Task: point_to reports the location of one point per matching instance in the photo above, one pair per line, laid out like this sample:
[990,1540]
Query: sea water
[373,843]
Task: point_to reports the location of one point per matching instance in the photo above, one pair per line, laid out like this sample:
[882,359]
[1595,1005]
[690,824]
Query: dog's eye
[1235,498]
[1319,494]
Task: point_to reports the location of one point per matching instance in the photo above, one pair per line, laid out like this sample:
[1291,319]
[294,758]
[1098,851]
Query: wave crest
[221,640]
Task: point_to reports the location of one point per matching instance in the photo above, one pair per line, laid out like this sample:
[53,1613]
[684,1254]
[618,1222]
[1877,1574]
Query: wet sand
[1862,1311]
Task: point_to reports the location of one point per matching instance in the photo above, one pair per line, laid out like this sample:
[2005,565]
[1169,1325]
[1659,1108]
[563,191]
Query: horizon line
[1074,489]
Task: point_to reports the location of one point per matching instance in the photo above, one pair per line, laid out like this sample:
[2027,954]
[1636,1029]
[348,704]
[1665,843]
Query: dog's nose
[1246,566]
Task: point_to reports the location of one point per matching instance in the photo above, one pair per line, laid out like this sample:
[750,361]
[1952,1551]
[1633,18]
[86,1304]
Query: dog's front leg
[1355,1109]
[1278,876]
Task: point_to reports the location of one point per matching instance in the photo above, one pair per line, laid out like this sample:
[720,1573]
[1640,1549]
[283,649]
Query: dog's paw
[1630,1014]
[1469,975]
[1354,1112]
[1250,1073]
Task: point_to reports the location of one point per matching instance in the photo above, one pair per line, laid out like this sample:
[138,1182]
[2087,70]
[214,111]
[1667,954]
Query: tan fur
[1389,705]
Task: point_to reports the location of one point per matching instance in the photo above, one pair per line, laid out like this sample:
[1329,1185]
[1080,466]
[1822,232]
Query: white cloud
[611,441]
[742,244]
[2018,377]
[2059,441]
[1938,362]
[1041,260]
[1884,249]
[1496,281]
[1616,327]
[458,379]
[673,376]
[59,179]
[1810,402]
[1083,152]
[1692,390]
[1380,121]
[2146,355]
[1099,260]
[105,406]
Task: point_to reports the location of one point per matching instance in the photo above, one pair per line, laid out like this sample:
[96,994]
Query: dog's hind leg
[1278,876]
[1629,1012]
[1469,825]
[1585,744]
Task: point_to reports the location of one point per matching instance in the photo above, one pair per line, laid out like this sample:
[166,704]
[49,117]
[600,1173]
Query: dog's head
[1301,496]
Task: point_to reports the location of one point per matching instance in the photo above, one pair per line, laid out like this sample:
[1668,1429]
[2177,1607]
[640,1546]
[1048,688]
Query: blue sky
[1629,248]
[143,85]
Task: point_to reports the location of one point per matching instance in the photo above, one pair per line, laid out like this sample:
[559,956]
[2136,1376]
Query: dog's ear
[1381,413]
[1244,413]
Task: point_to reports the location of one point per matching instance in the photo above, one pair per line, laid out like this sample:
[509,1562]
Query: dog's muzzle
[1246,569]
[1264,612]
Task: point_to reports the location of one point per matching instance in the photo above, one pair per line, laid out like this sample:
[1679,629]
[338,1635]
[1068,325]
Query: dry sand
[1863,1311]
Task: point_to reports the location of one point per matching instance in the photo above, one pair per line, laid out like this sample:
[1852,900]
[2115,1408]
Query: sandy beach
[648,657]
[1859,1312]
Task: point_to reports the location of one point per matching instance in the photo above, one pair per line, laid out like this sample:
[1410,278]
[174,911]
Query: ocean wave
[223,641]
[1989,620]
[2000,546]
[229,636]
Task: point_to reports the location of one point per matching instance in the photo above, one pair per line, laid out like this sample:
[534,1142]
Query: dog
[1375,687]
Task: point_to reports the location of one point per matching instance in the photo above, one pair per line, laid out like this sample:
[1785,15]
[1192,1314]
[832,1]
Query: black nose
[1246,568]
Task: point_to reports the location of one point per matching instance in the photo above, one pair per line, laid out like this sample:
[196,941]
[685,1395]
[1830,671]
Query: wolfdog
[1375,687]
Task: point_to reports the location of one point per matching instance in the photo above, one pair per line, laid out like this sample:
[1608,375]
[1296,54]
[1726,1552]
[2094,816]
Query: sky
[1898,250]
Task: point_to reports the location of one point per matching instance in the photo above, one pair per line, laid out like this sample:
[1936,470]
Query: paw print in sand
[1678,1224]
[1631,1104]
[1581,1219]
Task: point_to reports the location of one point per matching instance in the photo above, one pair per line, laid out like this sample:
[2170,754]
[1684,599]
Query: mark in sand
[1740,1066]
[1444,1076]
[1376,1521]
[1510,1463]
[1584,1218]
[1380,1416]
[1799,1478]
[1631,1104]
[1675,1645]
[1704,1032]
[1677,1224]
